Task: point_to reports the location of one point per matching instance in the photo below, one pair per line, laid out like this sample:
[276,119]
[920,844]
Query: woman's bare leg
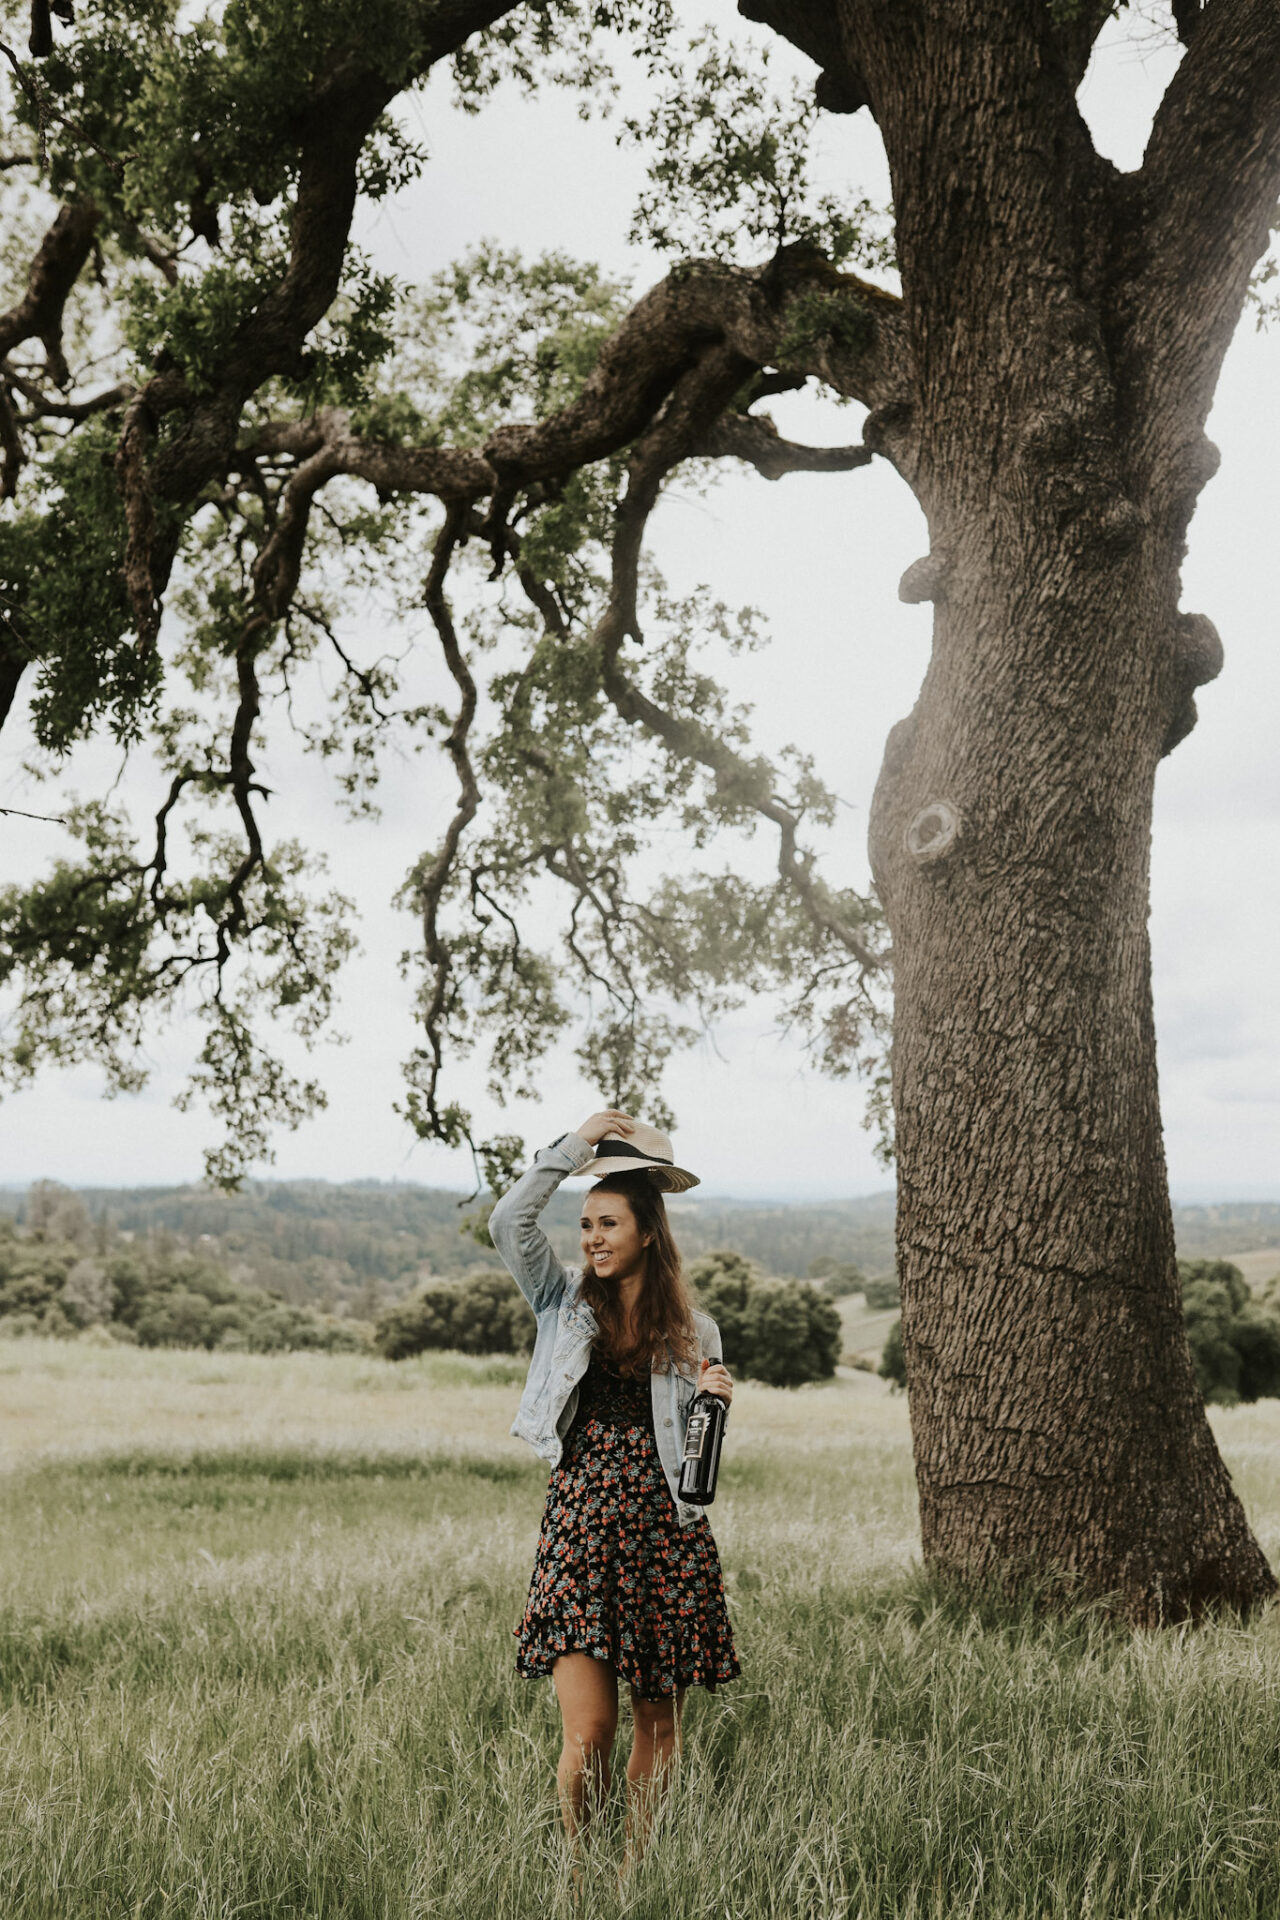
[587,1690]
[654,1747]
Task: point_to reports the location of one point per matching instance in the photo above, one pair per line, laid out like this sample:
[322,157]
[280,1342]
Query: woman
[627,1580]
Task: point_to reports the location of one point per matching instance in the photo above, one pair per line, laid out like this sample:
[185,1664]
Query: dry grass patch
[256,1661]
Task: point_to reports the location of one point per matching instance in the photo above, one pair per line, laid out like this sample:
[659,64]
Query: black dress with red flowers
[616,1575]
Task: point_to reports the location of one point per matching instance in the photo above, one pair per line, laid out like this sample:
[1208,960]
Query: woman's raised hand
[594,1130]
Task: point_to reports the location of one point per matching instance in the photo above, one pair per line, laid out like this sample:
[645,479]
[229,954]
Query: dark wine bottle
[704,1436]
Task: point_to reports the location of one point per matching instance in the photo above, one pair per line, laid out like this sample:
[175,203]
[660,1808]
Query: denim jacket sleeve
[526,1252]
[709,1338]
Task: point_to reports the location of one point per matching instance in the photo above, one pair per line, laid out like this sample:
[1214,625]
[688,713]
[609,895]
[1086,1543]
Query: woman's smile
[611,1240]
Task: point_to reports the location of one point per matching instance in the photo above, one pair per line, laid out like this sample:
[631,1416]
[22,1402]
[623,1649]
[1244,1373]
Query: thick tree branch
[54,271]
[754,438]
[233,920]
[279,562]
[42,408]
[814,27]
[798,312]
[751,317]
[133,476]
[459,474]
[1205,199]
[12,452]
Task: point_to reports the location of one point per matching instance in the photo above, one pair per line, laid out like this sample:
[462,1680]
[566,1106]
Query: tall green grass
[260,1678]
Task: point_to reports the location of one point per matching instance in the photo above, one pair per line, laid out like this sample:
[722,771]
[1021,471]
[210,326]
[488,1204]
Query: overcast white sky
[821,556]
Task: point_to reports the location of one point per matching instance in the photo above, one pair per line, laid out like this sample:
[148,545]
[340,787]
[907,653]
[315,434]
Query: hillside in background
[1210,1233]
[352,1248]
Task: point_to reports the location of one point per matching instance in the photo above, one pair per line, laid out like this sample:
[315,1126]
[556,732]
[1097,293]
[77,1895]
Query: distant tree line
[296,1264]
[355,1248]
[783,1333]
[345,1249]
[1234,1336]
[62,1274]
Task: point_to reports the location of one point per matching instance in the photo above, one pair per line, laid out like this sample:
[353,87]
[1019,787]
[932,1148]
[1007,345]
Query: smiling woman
[627,1579]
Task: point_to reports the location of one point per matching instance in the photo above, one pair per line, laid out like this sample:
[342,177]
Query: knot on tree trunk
[1194,464]
[1197,649]
[886,429]
[840,90]
[924,579]
[932,833]
[1197,658]
[1120,522]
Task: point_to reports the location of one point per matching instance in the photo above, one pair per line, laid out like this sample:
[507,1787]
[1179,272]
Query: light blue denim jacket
[566,1325]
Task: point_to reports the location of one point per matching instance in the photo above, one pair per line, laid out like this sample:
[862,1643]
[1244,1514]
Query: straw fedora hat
[643,1147]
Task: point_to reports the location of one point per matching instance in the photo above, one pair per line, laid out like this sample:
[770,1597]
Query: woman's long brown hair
[664,1311]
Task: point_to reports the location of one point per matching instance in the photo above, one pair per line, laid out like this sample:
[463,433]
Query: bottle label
[695,1438]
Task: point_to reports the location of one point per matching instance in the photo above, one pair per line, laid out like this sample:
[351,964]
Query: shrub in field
[423,1322]
[1256,1338]
[722,1283]
[781,1334]
[839,1278]
[183,1317]
[88,1296]
[483,1313]
[793,1335]
[1234,1341]
[893,1360]
[881,1294]
[32,1275]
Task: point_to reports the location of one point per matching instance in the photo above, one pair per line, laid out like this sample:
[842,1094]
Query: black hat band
[622,1150]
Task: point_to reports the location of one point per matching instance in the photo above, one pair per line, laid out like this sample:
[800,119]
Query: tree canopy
[227,437]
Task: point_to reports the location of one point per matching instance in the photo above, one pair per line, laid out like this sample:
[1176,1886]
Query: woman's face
[612,1244]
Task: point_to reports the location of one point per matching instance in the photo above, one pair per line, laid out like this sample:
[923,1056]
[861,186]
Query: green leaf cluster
[784,1334]
[481,1313]
[732,163]
[1234,1340]
[63,598]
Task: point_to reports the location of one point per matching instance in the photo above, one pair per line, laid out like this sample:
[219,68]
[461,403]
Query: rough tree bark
[1066,327]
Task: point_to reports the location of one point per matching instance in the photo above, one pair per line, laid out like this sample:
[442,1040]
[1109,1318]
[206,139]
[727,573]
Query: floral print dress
[616,1575]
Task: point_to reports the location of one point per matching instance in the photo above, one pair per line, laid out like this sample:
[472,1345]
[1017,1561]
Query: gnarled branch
[754,438]
[682,425]
[54,271]
[431,885]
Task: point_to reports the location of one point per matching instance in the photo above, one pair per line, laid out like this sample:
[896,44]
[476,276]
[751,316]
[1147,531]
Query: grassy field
[256,1660]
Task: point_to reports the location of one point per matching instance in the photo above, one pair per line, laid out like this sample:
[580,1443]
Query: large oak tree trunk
[1058,1427]
[1067,325]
